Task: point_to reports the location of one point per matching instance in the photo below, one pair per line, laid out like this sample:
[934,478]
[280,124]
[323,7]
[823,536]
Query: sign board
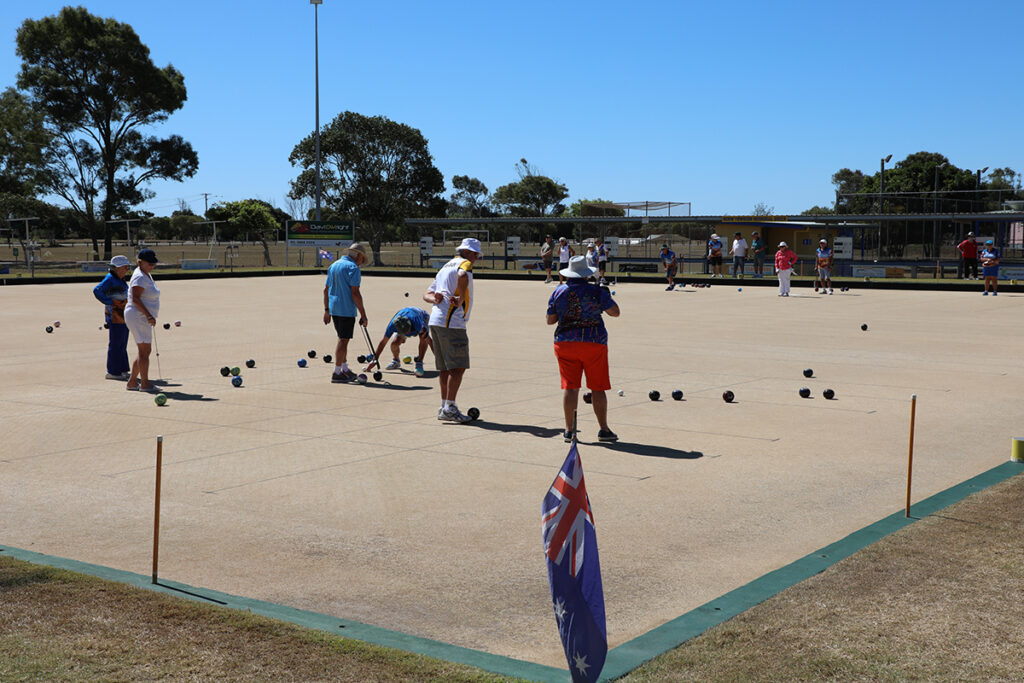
[426,246]
[1011,273]
[611,245]
[512,245]
[842,247]
[321,233]
[869,271]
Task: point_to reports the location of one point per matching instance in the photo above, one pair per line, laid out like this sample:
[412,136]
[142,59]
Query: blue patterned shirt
[579,305]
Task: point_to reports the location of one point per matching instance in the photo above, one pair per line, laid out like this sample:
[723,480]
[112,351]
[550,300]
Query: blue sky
[723,104]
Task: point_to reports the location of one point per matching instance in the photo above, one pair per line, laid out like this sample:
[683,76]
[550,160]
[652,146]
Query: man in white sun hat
[451,293]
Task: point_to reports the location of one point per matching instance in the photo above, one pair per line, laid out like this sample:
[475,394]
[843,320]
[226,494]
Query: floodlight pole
[316,61]
[29,261]
[881,203]
[935,210]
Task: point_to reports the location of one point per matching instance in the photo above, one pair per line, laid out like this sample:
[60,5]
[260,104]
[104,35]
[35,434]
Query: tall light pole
[316,59]
[935,210]
[881,203]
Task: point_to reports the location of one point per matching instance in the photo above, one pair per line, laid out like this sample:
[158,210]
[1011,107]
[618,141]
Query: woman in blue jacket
[113,293]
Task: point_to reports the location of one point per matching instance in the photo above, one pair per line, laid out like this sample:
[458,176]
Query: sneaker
[440,414]
[118,377]
[452,414]
[670,288]
[343,376]
[547,281]
[567,436]
[419,369]
[984,293]
[995,293]
[394,364]
[829,290]
[607,435]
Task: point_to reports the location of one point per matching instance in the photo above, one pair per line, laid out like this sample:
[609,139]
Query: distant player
[715,255]
[990,267]
[823,267]
[602,259]
[408,322]
[668,259]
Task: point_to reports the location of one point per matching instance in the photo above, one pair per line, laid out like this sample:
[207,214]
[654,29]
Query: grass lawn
[940,600]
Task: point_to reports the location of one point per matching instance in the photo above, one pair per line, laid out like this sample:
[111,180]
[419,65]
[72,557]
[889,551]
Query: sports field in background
[356,502]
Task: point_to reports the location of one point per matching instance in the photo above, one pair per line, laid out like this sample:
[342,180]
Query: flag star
[581,664]
[560,609]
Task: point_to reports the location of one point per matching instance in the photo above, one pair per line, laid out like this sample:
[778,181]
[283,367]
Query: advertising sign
[321,233]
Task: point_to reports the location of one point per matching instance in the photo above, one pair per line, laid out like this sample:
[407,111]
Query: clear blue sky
[722,104]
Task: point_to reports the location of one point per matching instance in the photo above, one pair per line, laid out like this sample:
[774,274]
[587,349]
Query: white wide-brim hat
[471,244]
[119,261]
[578,268]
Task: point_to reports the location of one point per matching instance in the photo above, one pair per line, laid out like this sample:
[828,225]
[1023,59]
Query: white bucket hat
[578,268]
[471,244]
[119,261]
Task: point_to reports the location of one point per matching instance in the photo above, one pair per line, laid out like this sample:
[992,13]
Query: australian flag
[574,572]
[326,255]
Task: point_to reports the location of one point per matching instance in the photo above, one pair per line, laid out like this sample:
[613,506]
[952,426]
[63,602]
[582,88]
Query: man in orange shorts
[581,342]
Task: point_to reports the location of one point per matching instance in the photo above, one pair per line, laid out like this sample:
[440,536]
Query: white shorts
[824,273]
[137,324]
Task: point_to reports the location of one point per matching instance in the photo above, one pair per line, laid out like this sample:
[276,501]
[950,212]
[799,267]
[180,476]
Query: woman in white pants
[784,260]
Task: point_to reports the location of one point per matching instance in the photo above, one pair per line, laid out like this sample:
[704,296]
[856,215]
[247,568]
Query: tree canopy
[532,195]
[252,217]
[924,182]
[373,169]
[97,89]
[24,146]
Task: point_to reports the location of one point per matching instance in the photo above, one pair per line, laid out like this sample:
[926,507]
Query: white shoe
[829,290]
[394,364]
[452,414]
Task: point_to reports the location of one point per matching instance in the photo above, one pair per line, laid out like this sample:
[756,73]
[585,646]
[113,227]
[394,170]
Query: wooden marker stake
[910,452]
[156,512]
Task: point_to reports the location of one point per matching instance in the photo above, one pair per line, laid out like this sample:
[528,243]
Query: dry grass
[940,600]
[61,626]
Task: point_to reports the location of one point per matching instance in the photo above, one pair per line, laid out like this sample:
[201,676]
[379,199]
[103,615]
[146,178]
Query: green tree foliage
[470,200]
[374,170]
[818,211]
[532,195]
[589,207]
[249,217]
[97,89]
[24,146]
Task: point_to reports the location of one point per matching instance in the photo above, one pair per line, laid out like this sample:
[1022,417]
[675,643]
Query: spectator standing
[112,292]
[990,268]
[969,256]
[581,343]
[671,263]
[823,267]
[546,255]
[602,259]
[451,293]
[784,260]
[760,249]
[715,255]
[565,252]
[342,300]
[739,255]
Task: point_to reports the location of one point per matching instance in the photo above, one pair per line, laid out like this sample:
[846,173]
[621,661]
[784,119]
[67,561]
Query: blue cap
[148,255]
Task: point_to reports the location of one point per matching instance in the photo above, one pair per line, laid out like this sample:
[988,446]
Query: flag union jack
[574,571]
[565,516]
